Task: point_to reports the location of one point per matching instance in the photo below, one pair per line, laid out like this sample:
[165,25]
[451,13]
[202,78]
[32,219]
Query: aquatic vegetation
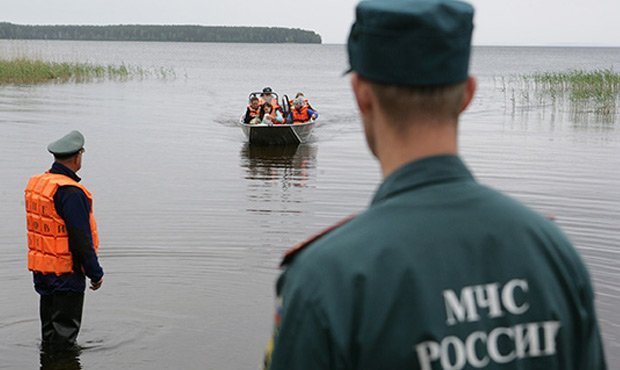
[586,94]
[600,87]
[26,71]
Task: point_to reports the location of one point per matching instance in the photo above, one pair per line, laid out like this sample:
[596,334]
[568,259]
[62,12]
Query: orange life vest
[253,111]
[300,115]
[48,240]
[273,102]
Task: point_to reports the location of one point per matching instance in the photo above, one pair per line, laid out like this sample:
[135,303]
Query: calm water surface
[193,221]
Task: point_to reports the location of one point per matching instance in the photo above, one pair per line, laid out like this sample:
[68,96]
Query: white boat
[283,134]
[277,134]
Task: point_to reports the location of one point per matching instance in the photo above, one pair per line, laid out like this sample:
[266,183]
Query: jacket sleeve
[301,337]
[279,117]
[73,206]
[591,346]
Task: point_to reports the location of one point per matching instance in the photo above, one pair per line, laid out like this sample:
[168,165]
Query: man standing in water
[439,272]
[62,243]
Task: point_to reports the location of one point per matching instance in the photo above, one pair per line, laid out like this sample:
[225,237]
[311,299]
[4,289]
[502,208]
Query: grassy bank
[25,71]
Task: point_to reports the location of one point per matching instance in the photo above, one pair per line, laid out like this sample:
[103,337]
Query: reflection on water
[582,114]
[578,115]
[60,359]
[279,180]
[288,166]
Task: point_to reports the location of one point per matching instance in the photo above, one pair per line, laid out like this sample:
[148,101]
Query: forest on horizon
[165,33]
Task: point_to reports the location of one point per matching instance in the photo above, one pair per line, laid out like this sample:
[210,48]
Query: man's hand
[94,285]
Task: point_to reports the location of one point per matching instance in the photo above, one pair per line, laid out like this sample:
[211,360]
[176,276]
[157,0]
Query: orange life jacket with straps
[273,102]
[253,111]
[300,115]
[48,240]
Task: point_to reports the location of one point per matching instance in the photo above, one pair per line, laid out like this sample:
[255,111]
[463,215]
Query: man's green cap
[412,42]
[67,145]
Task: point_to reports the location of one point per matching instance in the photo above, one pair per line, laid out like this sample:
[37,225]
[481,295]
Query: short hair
[253,98]
[403,102]
[65,157]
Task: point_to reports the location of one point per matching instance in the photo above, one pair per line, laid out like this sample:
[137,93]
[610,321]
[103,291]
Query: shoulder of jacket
[290,255]
[71,188]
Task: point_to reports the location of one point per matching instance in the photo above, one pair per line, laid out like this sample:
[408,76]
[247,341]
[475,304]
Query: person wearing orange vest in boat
[62,243]
[267,97]
[301,95]
[302,112]
[252,110]
[267,116]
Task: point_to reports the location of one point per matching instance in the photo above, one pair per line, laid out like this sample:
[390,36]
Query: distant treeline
[160,33]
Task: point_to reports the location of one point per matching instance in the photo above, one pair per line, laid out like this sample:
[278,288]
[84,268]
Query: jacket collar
[421,173]
[60,169]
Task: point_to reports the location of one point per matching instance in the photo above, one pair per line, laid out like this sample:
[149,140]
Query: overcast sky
[498,22]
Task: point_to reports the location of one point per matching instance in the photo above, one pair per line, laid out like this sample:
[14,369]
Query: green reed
[27,71]
[601,87]
[595,93]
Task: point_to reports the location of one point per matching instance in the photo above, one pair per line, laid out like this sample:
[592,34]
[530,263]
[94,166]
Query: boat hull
[278,134]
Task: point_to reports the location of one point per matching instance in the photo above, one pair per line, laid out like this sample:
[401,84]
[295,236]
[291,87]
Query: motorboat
[277,134]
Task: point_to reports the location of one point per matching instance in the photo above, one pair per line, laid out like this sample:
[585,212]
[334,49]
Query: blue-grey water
[193,221]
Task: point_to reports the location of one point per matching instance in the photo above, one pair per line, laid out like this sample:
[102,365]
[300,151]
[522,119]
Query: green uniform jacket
[439,272]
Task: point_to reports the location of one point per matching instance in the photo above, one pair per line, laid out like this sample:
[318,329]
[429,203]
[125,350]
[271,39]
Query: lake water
[193,221]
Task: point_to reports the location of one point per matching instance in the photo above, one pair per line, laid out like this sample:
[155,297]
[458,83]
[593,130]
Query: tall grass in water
[25,71]
[586,93]
[597,90]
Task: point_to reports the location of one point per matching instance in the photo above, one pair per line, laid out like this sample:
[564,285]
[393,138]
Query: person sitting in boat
[267,116]
[302,96]
[252,110]
[267,97]
[302,112]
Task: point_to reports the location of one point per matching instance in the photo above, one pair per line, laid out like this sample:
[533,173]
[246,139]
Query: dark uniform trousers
[61,317]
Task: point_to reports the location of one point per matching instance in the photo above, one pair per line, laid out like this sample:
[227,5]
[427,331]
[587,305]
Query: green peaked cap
[411,42]
[69,144]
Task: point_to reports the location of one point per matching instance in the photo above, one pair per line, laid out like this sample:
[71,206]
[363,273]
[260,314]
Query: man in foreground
[439,272]
[62,243]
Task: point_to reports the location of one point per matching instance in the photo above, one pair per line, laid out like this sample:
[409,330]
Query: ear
[363,94]
[470,91]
